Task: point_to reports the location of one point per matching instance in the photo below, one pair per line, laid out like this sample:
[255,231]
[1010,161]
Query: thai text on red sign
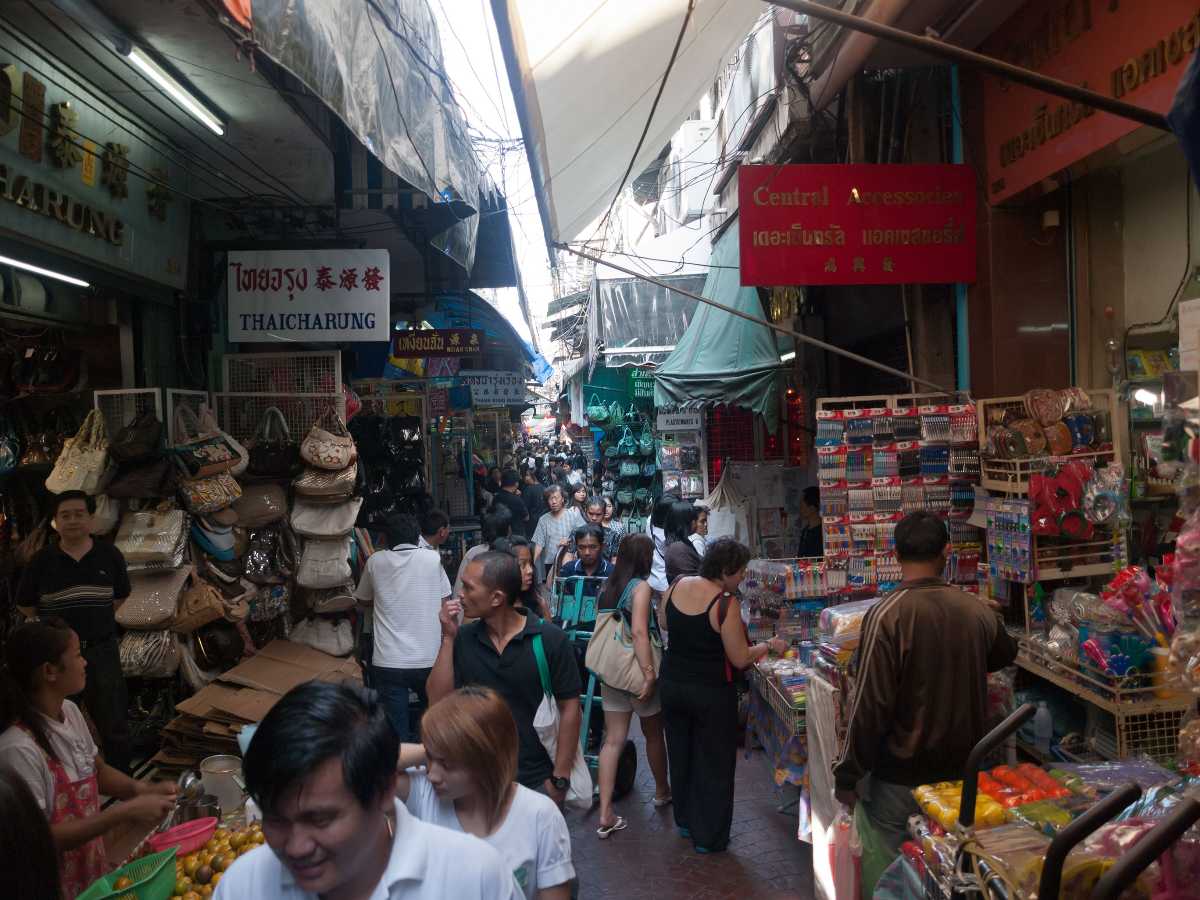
[856,224]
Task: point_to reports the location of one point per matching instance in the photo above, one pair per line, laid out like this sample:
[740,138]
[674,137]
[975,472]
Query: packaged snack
[941,802]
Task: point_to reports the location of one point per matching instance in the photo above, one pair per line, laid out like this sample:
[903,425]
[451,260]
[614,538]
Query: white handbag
[208,425]
[83,464]
[545,723]
[150,535]
[324,520]
[324,563]
[334,638]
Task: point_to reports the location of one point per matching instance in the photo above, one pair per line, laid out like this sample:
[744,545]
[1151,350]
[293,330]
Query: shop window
[730,438]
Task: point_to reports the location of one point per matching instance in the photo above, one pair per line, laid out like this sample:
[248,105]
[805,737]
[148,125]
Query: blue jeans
[393,686]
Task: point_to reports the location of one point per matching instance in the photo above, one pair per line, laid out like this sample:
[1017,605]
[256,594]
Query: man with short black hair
[84,581]
[322,767]
[500,651]
[594,515]
[920,673]
[588,545]
[404,588]
[509,497]
[435,530]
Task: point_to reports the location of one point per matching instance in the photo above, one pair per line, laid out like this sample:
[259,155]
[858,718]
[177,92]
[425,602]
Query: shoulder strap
[630,585]
[539,654]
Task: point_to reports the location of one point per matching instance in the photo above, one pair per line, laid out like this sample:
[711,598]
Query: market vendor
[920,675]
[47,743]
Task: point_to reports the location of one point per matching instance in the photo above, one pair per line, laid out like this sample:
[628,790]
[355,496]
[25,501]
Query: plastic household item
[183,839]
[153,878]
[1043,728]
[222,777]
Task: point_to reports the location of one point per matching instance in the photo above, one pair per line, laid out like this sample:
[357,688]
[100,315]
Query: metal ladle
[188,789]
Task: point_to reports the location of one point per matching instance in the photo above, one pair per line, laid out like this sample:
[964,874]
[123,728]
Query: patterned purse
[325,486]
[207,495]
[328,444]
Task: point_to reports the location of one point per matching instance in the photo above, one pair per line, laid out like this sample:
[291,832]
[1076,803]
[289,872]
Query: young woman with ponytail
[46,742]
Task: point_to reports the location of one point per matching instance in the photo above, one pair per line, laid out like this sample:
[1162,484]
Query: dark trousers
[701,724]
[106,700]
[393,686]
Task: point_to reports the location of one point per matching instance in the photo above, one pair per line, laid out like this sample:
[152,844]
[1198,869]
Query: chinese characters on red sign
[437,342]
[277,279]
[856,224]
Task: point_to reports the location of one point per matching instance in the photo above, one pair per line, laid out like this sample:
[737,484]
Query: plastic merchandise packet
[941,802]
[845,618]
[1185,578]
[1159,800]
[1180,865]
[1044,816]
[1106,497]
[937,847]
[1014,852]
[1106,777]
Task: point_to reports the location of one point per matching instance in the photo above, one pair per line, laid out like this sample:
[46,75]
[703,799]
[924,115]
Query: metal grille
[318,372]
[730,438]
[178,397]
[1127,735]
[121,407]
[239,414]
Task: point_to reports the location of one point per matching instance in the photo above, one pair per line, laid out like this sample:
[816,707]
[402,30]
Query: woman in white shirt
[699,537]
[469,785]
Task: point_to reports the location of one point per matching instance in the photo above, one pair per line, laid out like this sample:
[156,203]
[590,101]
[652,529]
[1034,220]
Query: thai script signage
[1134,51]
[437,342]
[493,388]
[856,224]
[308,295]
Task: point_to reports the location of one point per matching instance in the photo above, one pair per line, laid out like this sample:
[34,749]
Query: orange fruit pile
[197,874]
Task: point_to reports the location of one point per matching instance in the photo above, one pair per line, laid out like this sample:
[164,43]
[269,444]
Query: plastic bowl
[186,838]
[153,878]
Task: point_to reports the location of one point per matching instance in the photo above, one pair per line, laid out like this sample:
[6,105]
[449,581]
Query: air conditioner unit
[693,153]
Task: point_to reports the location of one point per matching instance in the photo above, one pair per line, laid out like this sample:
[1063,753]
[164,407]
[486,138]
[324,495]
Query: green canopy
[723,358]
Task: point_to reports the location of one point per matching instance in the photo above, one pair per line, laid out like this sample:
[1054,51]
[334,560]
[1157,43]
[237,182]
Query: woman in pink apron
[45,740]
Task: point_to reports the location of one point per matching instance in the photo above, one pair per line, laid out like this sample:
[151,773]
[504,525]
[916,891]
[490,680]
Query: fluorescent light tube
[788,357]
[1143,396]
[38,270]
[174,89]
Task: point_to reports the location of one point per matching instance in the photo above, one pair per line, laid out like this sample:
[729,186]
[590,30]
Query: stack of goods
[840,630]
[1048,423]
[628,450]
[789,676]
[878,464]
[391,460]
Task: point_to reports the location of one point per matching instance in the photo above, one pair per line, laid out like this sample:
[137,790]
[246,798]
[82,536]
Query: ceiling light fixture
[787,357]
[172,88]
[38,270]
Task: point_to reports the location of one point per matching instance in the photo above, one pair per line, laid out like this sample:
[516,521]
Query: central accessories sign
[856,224]
[309,295]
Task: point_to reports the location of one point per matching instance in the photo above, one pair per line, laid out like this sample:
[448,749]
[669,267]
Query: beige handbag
[324,564]
[83,464]
[334,638]
[328,444]
[206,495]
[200,604]
[154,599]
[330,600]
[261,504]
[149,654]
[324,520]
[324,485]
[150,535]
[610,652]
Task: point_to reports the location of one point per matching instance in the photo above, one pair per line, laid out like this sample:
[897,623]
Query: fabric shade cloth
[723,358]
[615,54]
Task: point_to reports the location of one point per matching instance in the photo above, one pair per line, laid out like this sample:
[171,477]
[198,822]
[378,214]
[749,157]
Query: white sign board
[494,388]
[1189,335]
[309,295]
[684,420]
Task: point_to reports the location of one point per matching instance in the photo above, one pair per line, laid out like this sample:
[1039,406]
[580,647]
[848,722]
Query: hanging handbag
[611,451]
[632,416]
[83,464]
[334,638]
[199,604]
[196,454]
[545,724]
[208,425]
[597,412]
[616,415]
[628,445]
[140,439]
[34,443]
[328,444]
[263,565]
[58,425]
[213,539]
[323,485]
[324,520]
[50,370]
[260,504]
[330,600]
[646,441]
[149,654]
[207,495]
[270,602]
[150,535]
[324,563]
[610,651]
[153,599]
[107,515]
[144,480]
[625,497]
[629,468]
[648,469]
[218,646]
[10,446]
[272,453]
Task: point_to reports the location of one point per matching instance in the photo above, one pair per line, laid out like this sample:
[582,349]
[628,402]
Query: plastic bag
[845,856]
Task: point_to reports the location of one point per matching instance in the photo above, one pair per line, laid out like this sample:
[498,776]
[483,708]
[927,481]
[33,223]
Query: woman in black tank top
[699,697]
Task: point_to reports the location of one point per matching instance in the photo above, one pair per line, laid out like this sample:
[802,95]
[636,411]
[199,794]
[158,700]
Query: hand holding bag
[154,599]
[610,651]
[272,453]
[138,440]
[150,535]
[324,520]
[324,563]
[83,464]
[328,444]
[197,454]
[545,723]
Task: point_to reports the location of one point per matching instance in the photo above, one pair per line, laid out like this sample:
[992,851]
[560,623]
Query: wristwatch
[560,784]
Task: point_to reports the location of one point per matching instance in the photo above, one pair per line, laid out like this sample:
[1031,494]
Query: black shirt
[535,500]
[681,558]
[516,507]
[81,593]
[514,676]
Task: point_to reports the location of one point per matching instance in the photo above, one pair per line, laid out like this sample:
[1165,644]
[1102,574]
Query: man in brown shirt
[920,683]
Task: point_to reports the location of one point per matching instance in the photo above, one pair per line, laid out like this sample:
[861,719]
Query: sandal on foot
[660,802]
[605,830]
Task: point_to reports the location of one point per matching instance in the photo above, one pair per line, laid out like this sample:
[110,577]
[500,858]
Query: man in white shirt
[405,588]
[435,530]
[322,767]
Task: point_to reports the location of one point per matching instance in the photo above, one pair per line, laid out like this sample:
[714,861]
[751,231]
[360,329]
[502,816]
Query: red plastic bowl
[187,838]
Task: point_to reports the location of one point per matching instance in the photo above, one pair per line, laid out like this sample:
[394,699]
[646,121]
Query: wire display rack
[177,397]
[120,407]
[315,372]
[238,414]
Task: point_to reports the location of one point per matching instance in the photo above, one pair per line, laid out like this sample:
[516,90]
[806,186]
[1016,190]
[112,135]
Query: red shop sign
[856,224]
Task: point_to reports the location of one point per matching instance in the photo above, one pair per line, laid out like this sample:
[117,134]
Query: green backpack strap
[539,653]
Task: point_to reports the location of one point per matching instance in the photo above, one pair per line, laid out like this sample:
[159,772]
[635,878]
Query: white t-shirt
[658,566]
[405,586]
[72,744]
[427,863]
[533,838]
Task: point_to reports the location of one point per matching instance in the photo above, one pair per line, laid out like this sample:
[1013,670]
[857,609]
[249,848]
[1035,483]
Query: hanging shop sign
[683,420]
[641,384]
[493,388]
[438,342]
[856,224]
[439,402]
[1136,52]
[308,295]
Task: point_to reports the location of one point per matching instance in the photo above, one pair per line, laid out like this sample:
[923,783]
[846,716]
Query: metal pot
[200,808]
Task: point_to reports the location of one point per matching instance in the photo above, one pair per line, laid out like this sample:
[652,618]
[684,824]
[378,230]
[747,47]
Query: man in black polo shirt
[510,498]
[497,652]
[83,581]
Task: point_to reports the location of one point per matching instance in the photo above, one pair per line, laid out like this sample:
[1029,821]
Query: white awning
[584,76]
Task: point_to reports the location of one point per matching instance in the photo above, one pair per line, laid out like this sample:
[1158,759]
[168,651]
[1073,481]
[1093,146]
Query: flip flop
[660,802]
[604,831]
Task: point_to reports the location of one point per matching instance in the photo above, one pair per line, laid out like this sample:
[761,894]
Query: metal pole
[962,315]
[737,312]
[996,67]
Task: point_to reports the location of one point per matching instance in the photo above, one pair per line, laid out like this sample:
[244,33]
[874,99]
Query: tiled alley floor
[649,861]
